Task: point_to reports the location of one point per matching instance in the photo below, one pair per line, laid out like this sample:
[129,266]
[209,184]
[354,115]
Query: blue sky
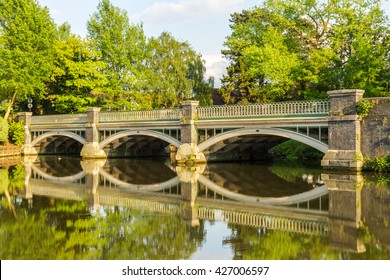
[203,23]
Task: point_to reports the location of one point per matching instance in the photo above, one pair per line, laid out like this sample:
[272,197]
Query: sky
[202,23]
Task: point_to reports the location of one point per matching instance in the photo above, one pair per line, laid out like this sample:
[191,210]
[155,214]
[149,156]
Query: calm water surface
[65,208]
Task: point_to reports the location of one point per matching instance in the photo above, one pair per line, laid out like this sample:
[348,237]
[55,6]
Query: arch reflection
[342,222]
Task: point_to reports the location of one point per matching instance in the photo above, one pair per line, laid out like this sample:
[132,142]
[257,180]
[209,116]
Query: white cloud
[187,10]
[216,67]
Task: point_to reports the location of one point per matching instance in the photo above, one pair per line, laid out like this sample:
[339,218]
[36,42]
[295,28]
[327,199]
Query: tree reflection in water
[65,230]
[52,228]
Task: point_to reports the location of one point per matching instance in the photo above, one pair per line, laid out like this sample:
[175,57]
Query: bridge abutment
[188,152]
[91,148]
[344,131]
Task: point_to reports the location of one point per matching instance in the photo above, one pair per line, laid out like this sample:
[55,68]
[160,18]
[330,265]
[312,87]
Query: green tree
[298,49]
[77,78]
[145,73]
[123,48]
[178,72]
[27,36]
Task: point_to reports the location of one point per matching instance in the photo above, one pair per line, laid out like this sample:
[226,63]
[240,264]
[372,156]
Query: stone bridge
[198,134]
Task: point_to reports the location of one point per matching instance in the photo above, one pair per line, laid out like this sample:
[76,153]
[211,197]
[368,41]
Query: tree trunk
[10,104]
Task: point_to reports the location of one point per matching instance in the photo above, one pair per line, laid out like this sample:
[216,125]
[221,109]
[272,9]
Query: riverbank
[9,155]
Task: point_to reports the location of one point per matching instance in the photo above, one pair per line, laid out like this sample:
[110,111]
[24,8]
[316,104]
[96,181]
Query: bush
[379,164]
[293,150]
[16,132]
[363,107]
[3,131]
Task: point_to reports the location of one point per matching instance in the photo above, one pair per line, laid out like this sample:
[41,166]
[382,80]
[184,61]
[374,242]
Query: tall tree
[123,49]
[298,49]
[179,72]
[27,35]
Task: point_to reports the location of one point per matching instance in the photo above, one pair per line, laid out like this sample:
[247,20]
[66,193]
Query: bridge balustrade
[143,115]
[289,108]
[61,119]
[265,221]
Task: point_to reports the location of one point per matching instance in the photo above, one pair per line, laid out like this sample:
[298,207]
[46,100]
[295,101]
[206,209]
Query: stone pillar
[345,210]
[91,148]
[27,148]
[344,131]
[188,177]
[91,169]
[188,153]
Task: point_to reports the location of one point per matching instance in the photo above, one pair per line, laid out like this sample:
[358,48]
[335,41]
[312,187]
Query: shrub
[16,132]
[293,150]
[3,131]
[363,107]
[380,164]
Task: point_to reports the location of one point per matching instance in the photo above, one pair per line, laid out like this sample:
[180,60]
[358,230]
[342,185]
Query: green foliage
[378,164]
[64,230]
[27,35]
[248,244]
[16,132]
[3,130]
[299,49]
[123,49]
[178,73]
[293,150]
[76,79]
[16,177]
[144,73]
[363,107]
[117,67]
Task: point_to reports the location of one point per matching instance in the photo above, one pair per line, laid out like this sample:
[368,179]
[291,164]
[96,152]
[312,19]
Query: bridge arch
[141,132]
[144,187]
[322,147]
[67,179]
[71,135]
[285,200]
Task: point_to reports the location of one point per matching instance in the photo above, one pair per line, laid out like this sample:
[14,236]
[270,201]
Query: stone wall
[375,129]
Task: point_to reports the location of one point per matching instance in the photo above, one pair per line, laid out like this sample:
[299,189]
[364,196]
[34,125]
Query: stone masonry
[344,131]
[376,129]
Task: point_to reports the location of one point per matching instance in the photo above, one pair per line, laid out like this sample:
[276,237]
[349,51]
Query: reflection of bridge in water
[177,197]
[180,195]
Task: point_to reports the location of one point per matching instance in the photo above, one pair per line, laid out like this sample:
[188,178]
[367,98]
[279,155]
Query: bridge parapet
[59,119]
[285,109]
[173,114]
[275,109]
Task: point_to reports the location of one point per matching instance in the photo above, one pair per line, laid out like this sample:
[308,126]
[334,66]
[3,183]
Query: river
[59,207]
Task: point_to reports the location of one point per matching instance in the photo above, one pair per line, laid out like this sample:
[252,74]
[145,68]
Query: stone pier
[188,152]
[91,148]
[344,131]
